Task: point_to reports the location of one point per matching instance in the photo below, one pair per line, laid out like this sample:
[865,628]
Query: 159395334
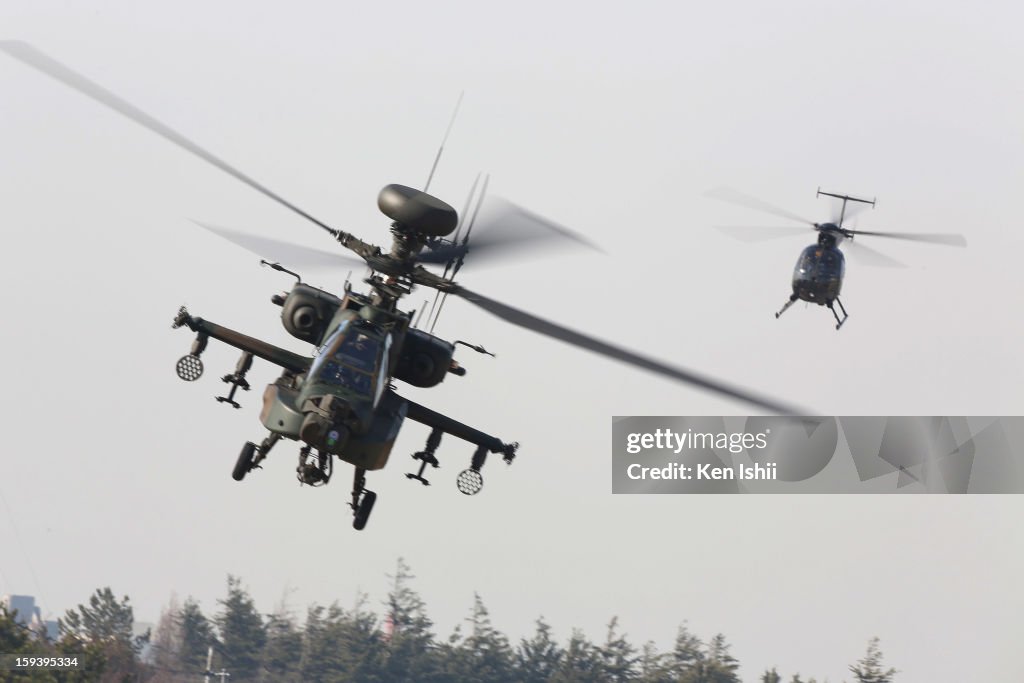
[16,662]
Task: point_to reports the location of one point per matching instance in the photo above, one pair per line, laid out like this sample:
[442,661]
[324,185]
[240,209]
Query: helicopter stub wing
[288,360]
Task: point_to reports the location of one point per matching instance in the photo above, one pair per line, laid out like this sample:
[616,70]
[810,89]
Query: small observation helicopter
[818,275]
[342,401]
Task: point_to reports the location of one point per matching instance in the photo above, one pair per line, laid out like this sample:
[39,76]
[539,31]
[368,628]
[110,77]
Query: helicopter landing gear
[839,323]
[788,304]
[246,461]
[427,456]
[252,455]
[362,500]
[314,470]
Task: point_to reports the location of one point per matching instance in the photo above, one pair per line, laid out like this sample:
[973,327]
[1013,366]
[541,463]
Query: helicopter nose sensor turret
[324,424]
[417,211]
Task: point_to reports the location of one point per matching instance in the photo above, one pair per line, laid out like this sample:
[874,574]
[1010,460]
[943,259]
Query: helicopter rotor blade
[756,233]
[458,261]
[36,59]
[452,263]
[504,228]
[547,328]
[465,210]
[870,257]
[458,257]
[948,238]
[506,225]
[731,196]
[293,255]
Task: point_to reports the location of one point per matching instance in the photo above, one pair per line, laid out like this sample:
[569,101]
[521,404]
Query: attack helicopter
[342,400]
[818,274]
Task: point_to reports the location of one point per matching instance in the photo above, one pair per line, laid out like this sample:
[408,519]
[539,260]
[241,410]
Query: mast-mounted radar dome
[417,211]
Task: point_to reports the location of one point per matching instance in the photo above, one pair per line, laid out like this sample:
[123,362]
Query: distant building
[25,612]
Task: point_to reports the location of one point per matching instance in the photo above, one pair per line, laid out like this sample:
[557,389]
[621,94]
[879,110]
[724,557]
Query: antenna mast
[443,141]
[465,241]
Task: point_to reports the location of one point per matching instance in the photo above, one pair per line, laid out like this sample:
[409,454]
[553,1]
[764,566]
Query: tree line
[358,645]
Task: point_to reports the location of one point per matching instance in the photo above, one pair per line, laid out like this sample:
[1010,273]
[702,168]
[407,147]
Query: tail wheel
[364,509]
[245,461]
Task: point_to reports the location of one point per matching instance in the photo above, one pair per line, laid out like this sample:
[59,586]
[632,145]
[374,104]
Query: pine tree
[101,633]
[165,646]
[342,647]
[687,657]
[771,676]
[16,639]
[869,668]
[720,665]
[361,645]
[485,650]
[410,648]
[654,666]
[450,657]
[581,663]
[537,659]
[242,633]
[196,637]
[318,662]
[619,657]
[280,657]
[104,619]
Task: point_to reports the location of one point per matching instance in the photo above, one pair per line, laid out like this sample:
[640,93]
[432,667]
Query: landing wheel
[364,509]
[245,462]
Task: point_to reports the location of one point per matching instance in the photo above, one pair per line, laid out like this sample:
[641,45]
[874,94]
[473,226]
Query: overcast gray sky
[614,122]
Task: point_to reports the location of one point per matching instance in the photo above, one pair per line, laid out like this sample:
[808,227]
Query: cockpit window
[357,350]
[348,377]
[348,359]
[807,266]
[322,352]
[820,263]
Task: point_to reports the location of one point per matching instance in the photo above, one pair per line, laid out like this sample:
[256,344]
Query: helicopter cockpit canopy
[820,263]
[354,359]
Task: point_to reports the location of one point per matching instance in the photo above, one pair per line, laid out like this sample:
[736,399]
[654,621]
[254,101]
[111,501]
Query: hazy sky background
[614,122]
